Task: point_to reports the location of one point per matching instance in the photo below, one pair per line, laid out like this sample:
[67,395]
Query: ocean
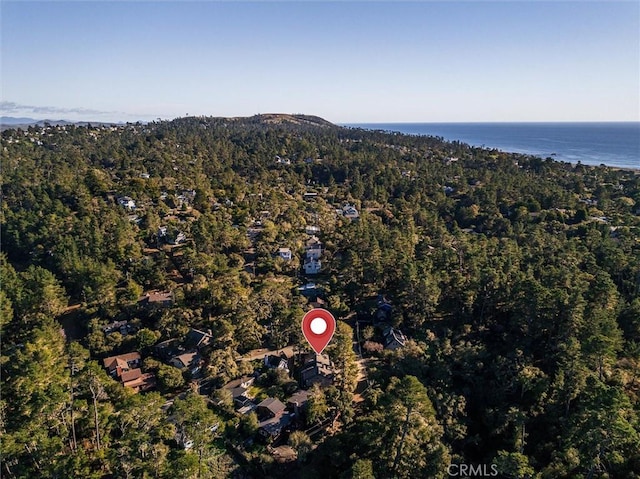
[612,144]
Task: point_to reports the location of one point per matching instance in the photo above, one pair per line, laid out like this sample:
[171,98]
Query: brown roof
[120,360]
[141,383]
[299,398]
[186,359]
[130,375]
[159,297]
[272,404]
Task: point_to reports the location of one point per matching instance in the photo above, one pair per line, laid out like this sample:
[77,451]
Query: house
[310,195]
[116,365]
[239,391]
[273,418]
[298,400]
[270,408]
[137,380]
[185,198]
[127,202]
[198,339]
[243,382]
[184,441]
[393,338]
[317,369]
[313,248]
[589,201]
[276,362]
[383,302]
[189,194]
[187,443]
[312,266]
[189,360]
[125,368]
[271,428]
[309,289]
[165,350]
[312,230]
[157,299]
[317,303]
[284,253]
[350,212]
[384,311]
[123,327]
[382,315]
[179,238]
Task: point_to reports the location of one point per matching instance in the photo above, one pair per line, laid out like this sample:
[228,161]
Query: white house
[127,202]
[284,253]
[312,266]
[180,238]
[283,161]
[313,249]
[350,211]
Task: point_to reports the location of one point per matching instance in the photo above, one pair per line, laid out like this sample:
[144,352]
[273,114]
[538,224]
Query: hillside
[280,118]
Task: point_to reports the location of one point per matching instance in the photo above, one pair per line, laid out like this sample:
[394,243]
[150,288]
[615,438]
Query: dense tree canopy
[515,279]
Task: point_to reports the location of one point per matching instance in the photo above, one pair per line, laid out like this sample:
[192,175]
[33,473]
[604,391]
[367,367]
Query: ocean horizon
[615,144]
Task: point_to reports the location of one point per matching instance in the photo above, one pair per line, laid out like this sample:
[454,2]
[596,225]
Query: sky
[348,62]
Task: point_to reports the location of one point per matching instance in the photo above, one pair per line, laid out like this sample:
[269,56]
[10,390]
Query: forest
[154,276]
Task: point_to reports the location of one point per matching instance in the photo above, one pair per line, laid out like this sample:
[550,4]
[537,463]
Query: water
[612,144]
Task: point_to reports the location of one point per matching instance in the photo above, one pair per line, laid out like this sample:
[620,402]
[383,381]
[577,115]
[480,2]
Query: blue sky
[345,61]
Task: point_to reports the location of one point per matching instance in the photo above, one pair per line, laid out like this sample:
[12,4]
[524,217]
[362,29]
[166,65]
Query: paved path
[362,379]
[260,353]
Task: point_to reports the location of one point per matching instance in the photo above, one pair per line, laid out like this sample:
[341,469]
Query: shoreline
[543,141]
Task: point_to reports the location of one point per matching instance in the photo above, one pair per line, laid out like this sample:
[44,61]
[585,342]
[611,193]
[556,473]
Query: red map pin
[318,326]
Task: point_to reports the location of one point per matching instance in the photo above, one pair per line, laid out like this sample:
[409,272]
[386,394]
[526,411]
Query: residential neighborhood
[156,276]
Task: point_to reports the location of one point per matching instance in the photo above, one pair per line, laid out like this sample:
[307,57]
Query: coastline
[614,144]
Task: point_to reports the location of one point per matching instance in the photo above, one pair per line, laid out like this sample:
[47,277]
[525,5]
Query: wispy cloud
[11,108]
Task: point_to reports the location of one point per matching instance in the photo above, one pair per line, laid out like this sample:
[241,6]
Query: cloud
[12,108]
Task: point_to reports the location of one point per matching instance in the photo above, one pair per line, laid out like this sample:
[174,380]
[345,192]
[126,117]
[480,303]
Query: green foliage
[362,469]
[513,465]
[302,444]
[170,378]
[317,407]
[402,434]
[520,305]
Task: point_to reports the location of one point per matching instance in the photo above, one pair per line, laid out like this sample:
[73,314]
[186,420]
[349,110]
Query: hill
[297,119]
